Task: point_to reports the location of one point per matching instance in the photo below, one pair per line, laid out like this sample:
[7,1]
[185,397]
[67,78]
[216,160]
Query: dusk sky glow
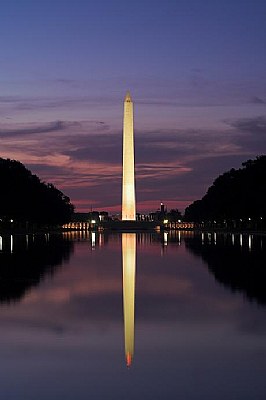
[196,71]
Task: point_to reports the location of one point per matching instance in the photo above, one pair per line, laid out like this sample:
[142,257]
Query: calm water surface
[133,316]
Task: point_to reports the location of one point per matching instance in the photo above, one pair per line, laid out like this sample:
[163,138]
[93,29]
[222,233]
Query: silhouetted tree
[236,194]
[174,215]
[25,198]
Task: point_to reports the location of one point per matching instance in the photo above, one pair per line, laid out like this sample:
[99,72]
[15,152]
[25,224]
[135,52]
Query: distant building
[86,221]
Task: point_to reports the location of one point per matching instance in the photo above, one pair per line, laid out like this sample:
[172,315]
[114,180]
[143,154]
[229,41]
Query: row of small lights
[165,221]
[240,219]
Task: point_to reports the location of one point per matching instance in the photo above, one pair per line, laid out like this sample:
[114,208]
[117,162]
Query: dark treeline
[26,200]
[238,195]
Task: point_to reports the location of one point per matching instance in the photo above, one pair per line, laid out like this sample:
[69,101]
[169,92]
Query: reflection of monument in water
[129,268]
[128,185]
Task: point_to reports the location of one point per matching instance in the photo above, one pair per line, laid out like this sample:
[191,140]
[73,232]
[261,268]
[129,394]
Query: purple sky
[196,71]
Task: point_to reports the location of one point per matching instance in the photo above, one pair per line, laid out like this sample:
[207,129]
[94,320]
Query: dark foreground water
[69,328]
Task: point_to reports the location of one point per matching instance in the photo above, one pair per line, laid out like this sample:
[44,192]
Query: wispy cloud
[60,106]
[31,129]
[257,100]
[250,125]
[250,134]
[83,158]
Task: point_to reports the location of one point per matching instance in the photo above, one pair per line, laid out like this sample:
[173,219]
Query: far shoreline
[106,230]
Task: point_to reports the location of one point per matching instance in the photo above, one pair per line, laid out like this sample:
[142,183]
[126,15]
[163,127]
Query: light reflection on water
[71,309]
[129,272]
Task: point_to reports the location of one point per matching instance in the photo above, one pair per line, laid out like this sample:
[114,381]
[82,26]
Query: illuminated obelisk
[128,185]
[129,268]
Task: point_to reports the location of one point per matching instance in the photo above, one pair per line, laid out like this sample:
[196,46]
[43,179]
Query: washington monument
[128,185]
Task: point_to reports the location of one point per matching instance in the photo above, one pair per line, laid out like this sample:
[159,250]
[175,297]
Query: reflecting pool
[133,316]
